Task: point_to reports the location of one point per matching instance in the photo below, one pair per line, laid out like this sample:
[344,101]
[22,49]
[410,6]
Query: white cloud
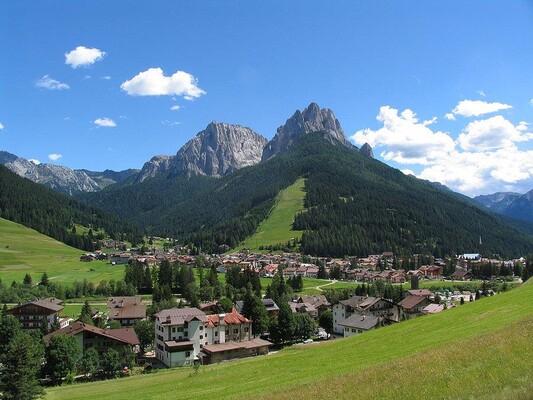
[51,84]
[475,108]
[429,121]
[54,156]
[106,78]
[531,102]
[492,134]
[34,161]
[170,123]
[82,56]
[86,77]
[485,158]
[481,93]
[152,82]
[105,122]
[406,140]
[1,126]
[175,108]
[450,116]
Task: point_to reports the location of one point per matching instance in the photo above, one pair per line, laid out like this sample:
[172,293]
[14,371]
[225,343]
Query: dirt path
[326,284]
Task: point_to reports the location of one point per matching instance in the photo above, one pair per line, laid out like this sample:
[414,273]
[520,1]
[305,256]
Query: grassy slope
[478,350]
[277,228]
[23,250]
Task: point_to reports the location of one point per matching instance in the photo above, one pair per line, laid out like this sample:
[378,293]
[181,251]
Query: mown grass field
[24,250]
[277,228]
[482,349]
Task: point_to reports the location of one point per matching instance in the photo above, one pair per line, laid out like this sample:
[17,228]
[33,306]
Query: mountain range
[220,185]
[63,179]
[511,204]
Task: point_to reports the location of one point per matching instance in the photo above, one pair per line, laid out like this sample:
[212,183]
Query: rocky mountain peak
[366,150]
[157,165]
[311,119]
[219,149]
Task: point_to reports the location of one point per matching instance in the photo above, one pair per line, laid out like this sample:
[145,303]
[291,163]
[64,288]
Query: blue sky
[108,105]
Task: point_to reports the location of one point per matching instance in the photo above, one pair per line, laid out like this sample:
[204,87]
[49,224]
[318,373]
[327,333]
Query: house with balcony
[182,334]
[36,314]
[126,309]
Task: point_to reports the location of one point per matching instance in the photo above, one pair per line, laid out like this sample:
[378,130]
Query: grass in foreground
[478,350]
[24,250]
[277,228]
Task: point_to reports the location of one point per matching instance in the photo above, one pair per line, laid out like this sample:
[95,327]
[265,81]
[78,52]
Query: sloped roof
[360,302]
[48,305]
[125,335]
[358,321]
[412,301]
[178,316]
[126,307]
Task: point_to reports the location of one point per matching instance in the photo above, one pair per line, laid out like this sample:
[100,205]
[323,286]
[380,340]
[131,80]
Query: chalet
[101,339]
[433,308]
[363,305]
[182,334]
[320,302]
[289,271]
[412,306]
[431,271]
[357,324]
[307,308]
[36,314]
[126,309]
[462,275]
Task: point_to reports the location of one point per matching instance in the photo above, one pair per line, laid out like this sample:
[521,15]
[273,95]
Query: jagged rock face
[312,119]
[62,179]
[499,201]
[156,165]
[366,150]
[219,150]
[109,177]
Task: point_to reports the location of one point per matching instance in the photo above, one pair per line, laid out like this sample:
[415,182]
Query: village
[371,296]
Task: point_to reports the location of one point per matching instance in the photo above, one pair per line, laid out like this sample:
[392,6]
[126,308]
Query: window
[235,331]
[201,336]
[173,329]
[246,329]
[187,354]
[354,330]
[346,329]
[216,333]
[201,328]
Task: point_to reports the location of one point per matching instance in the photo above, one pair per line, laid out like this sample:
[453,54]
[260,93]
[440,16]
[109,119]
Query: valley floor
[479,350]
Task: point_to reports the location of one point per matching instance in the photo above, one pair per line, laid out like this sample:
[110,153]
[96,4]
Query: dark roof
[48,305]
[357,321]
[270,305]
[172,345]
[125,335]
[360,302]
[316,300]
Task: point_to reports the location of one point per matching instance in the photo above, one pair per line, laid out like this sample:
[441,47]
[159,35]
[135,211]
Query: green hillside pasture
[23,250]
[482,349]
[277,228]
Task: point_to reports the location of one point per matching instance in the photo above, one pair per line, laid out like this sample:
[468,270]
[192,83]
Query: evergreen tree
[286,323]
[62,354]
[44,279]
[326,321]
[304,326]
[27,280]
[254,309]
[86,313]
[111,363]
[20,362]
[89,362]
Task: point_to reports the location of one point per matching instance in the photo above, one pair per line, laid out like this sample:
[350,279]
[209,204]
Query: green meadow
[24,250]
[277,228]
[478,350]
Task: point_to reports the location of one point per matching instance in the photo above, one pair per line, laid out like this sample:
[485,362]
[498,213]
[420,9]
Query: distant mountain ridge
[511,204]
[62,179]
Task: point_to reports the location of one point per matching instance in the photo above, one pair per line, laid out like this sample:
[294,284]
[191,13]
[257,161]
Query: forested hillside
[52,213]
[355,206]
